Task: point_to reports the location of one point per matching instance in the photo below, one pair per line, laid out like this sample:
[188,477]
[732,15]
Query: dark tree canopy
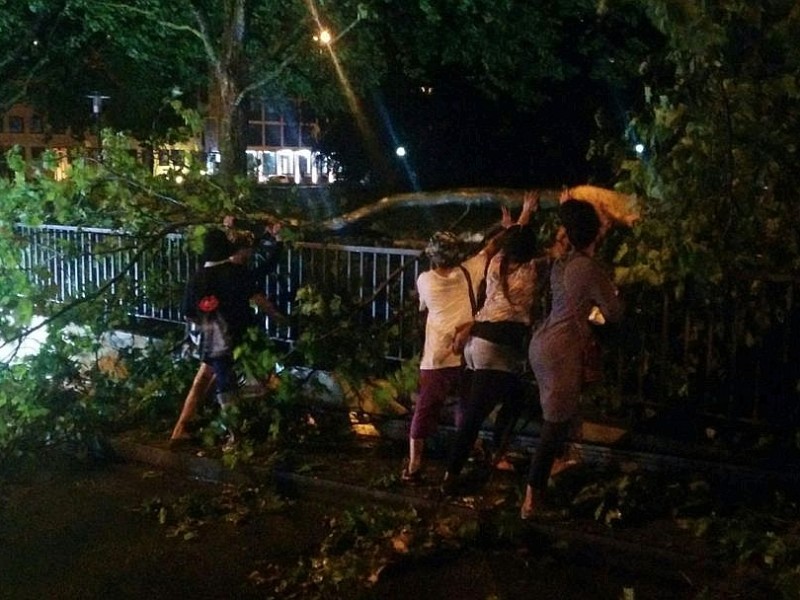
[531,81]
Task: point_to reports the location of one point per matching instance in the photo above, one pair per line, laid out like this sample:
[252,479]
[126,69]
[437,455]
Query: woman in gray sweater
[560,351]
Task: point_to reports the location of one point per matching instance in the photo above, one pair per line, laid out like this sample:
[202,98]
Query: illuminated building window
[291,135]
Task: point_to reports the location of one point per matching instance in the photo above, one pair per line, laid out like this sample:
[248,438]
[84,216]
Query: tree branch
[201,32]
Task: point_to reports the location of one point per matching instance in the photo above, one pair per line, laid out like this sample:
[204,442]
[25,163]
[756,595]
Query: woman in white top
[496,351]
[445,297]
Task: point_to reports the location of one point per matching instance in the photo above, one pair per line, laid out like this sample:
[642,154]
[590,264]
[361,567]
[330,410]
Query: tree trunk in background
[227,82]
[231,131]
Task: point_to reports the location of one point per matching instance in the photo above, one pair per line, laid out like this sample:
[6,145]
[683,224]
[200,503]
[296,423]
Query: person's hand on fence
[265,305]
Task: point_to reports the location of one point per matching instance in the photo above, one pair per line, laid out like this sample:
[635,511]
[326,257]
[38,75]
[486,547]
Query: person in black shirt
[219,299]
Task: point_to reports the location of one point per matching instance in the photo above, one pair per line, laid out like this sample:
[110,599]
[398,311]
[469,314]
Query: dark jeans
[224,372]
[486,389]
[552,443]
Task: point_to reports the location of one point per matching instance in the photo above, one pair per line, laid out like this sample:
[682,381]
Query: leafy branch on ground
[185,516]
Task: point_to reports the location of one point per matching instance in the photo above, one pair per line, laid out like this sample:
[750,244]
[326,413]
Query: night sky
[458,136]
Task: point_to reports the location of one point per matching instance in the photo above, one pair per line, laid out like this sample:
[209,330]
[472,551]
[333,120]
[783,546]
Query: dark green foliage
[337,333]
[75,390]
[360,544]
[185,516]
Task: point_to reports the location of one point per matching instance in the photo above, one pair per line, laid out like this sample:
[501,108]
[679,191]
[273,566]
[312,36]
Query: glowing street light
[324,37]
[639,148]
[401,151]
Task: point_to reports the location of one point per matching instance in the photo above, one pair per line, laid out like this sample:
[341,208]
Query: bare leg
[529,504]
[201,386]
[415,454]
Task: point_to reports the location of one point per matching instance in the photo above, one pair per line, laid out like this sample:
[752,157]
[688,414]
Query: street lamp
[97,103]
[324,37]
[97,106]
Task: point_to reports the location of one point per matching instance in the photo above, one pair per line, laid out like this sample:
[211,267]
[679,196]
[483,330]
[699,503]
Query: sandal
[541,511]
[412,478]
[526,512]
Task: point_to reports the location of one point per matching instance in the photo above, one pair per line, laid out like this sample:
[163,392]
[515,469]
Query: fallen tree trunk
[620,208]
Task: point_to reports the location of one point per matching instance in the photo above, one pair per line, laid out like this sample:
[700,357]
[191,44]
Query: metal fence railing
[378,281]
[733,354]
[73,263]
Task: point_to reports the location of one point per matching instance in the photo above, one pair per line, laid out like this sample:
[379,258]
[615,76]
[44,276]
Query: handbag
[216,339]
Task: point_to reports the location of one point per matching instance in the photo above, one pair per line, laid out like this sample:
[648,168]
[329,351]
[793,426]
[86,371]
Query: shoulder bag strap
[472,300]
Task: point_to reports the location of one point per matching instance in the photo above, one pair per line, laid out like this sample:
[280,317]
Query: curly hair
[444,249]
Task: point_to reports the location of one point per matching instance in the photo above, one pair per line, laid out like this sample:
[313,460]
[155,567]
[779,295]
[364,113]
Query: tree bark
[231,128]
[228,82]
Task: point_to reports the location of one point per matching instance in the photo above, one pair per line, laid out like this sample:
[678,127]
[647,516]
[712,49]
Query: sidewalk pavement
[367,471]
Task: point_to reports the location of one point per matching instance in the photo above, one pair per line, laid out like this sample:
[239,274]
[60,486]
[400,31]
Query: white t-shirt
[446,298]
[521,288]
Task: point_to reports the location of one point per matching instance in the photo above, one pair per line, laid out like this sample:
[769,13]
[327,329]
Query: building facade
[280,143]
[28,130]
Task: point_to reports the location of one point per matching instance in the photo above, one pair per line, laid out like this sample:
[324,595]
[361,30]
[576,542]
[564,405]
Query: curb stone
[210,469]
[609,549]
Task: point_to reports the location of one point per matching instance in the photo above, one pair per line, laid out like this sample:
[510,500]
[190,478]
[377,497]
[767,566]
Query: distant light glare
[324,37]
[401,151]
[639,148]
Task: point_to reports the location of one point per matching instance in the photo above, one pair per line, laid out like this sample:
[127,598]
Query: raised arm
[530,204]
